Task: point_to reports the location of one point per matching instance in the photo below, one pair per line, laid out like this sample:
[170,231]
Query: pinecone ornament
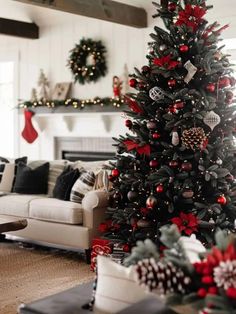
[165,278]
[194,138]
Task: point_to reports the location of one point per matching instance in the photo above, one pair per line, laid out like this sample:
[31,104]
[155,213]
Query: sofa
[56,222]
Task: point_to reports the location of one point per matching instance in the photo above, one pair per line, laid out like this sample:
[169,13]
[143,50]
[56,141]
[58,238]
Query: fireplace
[84,148]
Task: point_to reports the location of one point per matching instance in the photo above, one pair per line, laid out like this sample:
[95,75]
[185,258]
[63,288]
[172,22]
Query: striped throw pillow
[83,185]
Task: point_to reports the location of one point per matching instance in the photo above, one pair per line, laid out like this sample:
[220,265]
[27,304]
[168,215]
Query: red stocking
[29,133]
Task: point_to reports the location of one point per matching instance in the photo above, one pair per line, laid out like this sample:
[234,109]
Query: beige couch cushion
[17,204]
[52,209]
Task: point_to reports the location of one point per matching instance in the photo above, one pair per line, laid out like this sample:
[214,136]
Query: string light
[115,102]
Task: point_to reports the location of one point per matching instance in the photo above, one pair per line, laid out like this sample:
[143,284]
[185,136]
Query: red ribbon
[133,105]
[142,150]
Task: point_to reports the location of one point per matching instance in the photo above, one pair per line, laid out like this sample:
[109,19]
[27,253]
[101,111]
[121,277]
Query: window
[7,104]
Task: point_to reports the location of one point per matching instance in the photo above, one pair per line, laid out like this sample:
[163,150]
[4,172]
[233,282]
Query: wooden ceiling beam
[106,10]
[19,29]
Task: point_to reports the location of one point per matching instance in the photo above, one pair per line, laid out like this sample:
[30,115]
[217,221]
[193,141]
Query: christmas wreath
[87,61]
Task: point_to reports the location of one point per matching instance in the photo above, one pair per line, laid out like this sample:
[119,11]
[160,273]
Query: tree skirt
[29,274]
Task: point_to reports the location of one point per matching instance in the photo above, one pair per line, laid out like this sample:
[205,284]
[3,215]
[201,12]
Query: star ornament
[186,223]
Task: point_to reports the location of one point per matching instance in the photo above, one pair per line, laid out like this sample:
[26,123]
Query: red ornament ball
[179,105]
[115,173]
[128,123]
[231,293]
[126,248]
[159,188]
[221,200]
[202,292]
[156,136]
[133,83]
[151,202]
[153,163]
[211,87]
[184,48]
[172,7]
[172,83]
[186,166]
[173,163]
[145,69]
[172,109]
[224,82]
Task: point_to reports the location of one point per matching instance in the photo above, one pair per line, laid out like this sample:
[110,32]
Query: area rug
[29,274]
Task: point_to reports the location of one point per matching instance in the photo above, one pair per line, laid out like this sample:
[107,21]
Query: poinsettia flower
[166,62]
[186,223]
[191,16]
[218,271]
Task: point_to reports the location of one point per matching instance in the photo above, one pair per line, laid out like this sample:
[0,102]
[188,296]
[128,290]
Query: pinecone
[194,138]
[160,276]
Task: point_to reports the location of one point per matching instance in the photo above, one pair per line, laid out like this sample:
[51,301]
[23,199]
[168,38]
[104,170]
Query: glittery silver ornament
[211,119]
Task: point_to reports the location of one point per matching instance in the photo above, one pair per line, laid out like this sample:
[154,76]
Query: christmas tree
[177,163]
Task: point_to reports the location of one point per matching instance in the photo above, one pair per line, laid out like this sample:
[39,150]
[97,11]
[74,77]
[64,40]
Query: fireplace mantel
[71,118]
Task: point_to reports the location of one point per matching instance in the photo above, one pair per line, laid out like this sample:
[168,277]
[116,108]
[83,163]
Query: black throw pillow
[64,184]
[31,181]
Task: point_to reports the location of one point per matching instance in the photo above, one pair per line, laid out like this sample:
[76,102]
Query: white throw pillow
[83,185]
[116,287]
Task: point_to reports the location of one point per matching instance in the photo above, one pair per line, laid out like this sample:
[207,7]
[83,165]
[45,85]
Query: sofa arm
[94,206]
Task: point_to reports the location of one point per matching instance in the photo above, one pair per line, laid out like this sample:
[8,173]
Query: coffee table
[12,224]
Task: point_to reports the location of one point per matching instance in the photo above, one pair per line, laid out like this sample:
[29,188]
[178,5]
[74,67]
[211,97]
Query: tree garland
[76,103]
[87,61]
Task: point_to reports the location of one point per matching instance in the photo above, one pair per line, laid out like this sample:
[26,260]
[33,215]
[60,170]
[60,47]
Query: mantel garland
[83,69]
[116,102]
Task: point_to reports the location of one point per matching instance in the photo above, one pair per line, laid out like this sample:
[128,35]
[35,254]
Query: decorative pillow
[31,181]
[8,168]
[94,166]
[116,287]
[64,184]
[102,181]
[83,185]
[55,169]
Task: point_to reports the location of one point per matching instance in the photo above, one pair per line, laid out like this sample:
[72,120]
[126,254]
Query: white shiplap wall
[58,34]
